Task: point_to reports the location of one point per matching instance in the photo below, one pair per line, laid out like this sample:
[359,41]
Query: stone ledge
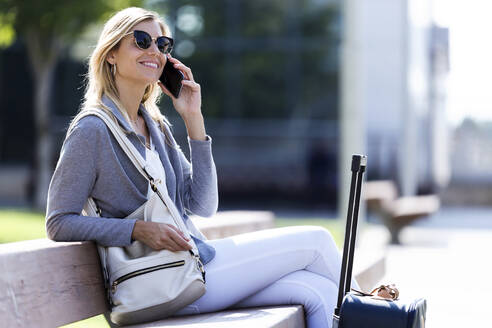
[264,317]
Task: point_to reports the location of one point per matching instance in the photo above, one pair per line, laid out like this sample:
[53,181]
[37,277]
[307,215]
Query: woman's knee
[320,236]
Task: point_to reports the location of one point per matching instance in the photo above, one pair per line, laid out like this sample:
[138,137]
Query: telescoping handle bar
[358,168]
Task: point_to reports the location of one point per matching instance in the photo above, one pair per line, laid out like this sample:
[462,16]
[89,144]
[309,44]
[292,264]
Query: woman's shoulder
[91,122]
[88,127]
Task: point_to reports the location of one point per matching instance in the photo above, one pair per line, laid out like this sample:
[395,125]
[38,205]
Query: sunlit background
[469,97]
[279,96]
[470,57]
[290,90]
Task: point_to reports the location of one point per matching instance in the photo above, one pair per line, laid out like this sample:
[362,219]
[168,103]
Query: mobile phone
[171,78]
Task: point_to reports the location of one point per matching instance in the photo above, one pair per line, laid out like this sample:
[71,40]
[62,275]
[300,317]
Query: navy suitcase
[355,310]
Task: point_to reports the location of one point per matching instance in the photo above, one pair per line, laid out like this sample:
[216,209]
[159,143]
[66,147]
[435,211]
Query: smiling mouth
[150,65]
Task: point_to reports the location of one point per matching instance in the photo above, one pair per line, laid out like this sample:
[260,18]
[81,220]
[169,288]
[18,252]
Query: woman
[297,265]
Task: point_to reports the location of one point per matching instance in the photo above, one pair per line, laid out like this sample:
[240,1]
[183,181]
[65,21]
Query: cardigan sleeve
[72,183]
[200,178]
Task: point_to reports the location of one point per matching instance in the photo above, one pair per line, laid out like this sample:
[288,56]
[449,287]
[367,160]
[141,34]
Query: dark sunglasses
[143,40]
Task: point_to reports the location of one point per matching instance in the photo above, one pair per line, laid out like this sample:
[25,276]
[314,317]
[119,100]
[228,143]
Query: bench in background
[397,212]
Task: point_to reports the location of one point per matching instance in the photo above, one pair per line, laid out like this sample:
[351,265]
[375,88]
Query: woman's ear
[110,58]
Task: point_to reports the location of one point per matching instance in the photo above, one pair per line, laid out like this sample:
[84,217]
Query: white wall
[386,88]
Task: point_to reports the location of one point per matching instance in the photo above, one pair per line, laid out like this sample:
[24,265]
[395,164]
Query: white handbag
[144,284]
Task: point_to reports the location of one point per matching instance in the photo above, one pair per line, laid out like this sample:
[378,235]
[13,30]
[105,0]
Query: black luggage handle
[359,163]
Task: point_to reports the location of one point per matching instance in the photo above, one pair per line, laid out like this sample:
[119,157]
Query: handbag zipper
[199,264]
[144,271]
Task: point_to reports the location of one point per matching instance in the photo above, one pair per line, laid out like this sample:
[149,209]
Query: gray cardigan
[92,164]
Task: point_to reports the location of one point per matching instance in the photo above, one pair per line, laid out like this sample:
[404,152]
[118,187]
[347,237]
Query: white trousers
[292,265]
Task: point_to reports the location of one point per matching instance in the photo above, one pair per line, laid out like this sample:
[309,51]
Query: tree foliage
[65,19]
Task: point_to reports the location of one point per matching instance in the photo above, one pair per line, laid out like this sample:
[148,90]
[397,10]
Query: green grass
[18,225]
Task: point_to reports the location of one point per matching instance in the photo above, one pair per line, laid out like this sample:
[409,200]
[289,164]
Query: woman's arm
[72,182]
[200,178]
[195,126]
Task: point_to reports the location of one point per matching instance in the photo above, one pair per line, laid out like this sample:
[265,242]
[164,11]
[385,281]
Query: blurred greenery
[53,18]
[21,225]
[269,18]
[7,32]
[95,322]
[18,225]
[259,59]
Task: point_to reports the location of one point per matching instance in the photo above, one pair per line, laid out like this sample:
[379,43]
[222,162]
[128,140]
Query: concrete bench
[397,212]
[47,284]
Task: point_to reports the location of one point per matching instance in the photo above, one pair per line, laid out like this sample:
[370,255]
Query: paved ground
[448,260]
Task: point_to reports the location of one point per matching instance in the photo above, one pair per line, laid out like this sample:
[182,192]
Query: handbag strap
[137,161]
[123,141]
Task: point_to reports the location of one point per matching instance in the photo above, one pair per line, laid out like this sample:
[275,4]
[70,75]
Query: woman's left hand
[190,99]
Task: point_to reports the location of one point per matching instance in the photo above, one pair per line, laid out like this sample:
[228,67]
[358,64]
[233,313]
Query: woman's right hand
[160,236]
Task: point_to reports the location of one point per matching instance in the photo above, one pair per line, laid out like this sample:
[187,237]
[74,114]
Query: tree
[48,27]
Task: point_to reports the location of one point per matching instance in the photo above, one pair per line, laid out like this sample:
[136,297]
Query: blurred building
[471,156]
[395,68]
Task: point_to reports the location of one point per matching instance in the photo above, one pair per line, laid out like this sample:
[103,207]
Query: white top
[156,170]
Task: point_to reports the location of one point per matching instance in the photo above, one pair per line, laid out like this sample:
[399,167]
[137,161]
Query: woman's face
[135,65]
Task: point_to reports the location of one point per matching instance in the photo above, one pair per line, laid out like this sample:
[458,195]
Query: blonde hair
[101,81]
